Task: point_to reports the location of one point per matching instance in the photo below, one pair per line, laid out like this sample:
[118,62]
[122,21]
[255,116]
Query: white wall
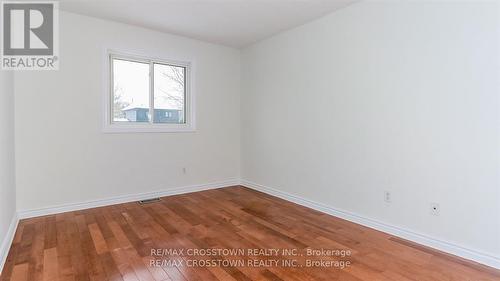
[64,157]
[400,96]
[7,173]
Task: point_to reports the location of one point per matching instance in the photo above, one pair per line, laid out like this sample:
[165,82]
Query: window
[148,95]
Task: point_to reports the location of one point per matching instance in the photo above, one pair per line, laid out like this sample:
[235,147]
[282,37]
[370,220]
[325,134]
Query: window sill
[170,128]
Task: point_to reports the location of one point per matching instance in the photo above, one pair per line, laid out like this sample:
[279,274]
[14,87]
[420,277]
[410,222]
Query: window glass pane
[169,94]
[130,91]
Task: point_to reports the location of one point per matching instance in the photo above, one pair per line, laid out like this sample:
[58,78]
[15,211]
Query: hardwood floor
[169,240]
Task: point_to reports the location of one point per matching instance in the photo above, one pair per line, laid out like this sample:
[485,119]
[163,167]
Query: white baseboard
[457,250]
[23,214]
[7,241]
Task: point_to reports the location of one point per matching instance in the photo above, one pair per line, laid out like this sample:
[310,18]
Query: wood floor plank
[98,238]
[50,268]
[91,261]
[20,272]
[123,264]
[122,242]
[35,271]
[63,248]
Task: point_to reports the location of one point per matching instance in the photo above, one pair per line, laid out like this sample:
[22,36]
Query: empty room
[186,140]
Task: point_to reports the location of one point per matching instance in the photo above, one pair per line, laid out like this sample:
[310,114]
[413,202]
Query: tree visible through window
[169,92]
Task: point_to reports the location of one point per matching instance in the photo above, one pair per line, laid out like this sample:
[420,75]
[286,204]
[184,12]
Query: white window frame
[110,126]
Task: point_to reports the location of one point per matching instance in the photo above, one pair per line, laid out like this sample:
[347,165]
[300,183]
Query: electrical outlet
[434,209]
[387,196]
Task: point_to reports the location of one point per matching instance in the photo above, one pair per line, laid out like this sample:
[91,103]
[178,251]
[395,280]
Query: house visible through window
[146,93]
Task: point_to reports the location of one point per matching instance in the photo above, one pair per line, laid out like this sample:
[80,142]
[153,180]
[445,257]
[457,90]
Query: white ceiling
[235,23]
